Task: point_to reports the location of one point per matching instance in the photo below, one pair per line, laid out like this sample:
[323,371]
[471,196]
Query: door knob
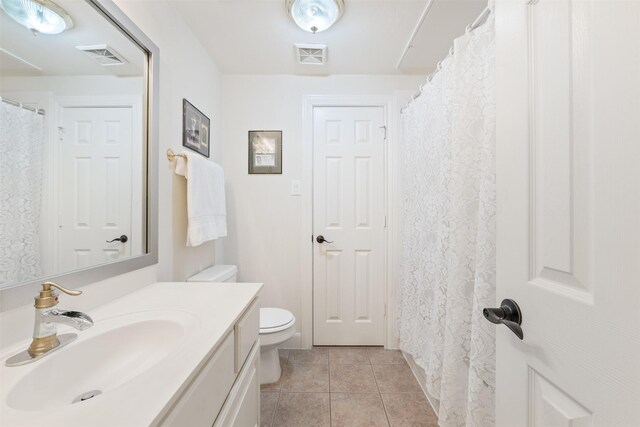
[321,239]
[122,239]
[507,314]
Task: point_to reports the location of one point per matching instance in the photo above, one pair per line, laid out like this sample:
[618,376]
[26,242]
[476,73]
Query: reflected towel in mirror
[206,209]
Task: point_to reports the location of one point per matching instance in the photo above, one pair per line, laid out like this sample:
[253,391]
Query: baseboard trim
[421,376]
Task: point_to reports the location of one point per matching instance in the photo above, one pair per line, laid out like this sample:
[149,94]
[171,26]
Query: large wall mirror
[78,81]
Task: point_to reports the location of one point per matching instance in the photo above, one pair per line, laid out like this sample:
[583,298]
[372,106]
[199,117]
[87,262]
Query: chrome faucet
[45,336]
[47,318]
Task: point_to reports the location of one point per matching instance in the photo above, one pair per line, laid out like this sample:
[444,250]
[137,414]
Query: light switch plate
[296,187]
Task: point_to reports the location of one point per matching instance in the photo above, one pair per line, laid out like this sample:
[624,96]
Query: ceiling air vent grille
[102,54]
[315,54]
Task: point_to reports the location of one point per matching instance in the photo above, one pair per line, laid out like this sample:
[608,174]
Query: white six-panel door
[568,174]
[348,210]
[95,185]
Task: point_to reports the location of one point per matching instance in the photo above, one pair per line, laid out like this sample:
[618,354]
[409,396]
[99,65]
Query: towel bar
[171,155]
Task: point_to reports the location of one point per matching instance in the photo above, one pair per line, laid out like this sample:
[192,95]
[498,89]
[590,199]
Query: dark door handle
[321,239]
[507,314]
[122,239]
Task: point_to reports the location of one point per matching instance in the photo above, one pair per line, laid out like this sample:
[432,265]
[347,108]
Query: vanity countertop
[164,332]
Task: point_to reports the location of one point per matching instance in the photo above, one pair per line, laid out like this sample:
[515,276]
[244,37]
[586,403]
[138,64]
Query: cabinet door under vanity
[243,408]
[226,391]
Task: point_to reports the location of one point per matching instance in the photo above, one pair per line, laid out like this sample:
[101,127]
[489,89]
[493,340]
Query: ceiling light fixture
[40,16]
[315,15]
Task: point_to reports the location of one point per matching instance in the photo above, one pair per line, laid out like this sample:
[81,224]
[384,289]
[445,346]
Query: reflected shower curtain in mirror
[448,261]
[21,153]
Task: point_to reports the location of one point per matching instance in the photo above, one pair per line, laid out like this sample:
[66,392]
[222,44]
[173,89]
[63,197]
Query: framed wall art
[195,129]
[265,151]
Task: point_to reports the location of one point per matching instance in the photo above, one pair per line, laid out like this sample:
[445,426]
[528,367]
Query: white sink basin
[141,354]
[120,349]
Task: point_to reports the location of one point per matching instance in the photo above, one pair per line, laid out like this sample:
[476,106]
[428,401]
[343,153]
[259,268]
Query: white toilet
[276,324]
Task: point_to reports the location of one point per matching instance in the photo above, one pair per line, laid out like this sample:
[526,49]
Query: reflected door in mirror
[96,187]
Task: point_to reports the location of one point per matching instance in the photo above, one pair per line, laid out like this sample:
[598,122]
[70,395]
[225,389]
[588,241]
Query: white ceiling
[23,54]
[444,21]
[257,36]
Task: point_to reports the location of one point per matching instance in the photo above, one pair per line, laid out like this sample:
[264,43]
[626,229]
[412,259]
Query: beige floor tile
[268,402]
[273,387]
[395,379]
[352,379]
[357,410]
[303,410]
[316,356]
[283,360]
[303,377]
[409,409]
[283,353]
[381,356]
[348,356]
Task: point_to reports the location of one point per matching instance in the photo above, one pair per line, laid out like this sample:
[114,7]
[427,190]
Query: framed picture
[265,151]
[195,129]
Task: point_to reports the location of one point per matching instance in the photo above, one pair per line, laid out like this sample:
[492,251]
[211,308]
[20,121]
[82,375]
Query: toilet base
[270,369]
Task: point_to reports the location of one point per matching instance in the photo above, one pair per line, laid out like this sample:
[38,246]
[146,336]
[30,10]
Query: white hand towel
[206,208]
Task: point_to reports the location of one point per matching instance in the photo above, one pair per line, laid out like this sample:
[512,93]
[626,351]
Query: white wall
[72,86]
[186,71]
[265,221]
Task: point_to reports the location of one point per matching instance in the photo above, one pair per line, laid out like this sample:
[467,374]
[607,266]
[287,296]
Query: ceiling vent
[315,54]
[102,54]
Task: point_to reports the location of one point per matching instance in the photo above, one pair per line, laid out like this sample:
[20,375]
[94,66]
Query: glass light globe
[315,15]
[41,16]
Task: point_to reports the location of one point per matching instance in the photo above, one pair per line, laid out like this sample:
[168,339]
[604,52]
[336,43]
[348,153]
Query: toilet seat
[275,320]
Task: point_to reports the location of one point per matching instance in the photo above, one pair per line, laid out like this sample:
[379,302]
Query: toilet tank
[216,273]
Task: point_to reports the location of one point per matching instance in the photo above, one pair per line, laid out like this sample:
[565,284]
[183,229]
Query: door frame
[388,104]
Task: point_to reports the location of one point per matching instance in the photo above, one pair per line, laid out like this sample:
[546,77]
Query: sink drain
[86,396]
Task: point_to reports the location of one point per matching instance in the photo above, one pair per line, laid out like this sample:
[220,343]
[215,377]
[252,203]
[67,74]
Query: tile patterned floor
[345,387]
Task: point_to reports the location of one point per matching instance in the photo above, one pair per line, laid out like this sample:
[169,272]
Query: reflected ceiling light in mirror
[315,15]
[40,16]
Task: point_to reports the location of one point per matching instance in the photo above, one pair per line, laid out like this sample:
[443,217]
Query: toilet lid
[275,320]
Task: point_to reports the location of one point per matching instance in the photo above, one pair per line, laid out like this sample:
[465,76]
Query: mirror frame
[22,293]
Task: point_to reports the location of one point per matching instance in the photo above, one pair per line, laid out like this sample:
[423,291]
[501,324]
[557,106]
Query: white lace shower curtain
[448,270]
[21,152]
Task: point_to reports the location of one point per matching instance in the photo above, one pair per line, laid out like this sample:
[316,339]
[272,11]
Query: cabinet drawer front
[247,331]
[201,402]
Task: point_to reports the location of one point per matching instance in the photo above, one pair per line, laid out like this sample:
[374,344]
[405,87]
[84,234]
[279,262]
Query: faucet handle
[48,298]
[46,286]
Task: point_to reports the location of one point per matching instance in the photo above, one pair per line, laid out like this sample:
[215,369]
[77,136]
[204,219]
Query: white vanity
[169,354]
